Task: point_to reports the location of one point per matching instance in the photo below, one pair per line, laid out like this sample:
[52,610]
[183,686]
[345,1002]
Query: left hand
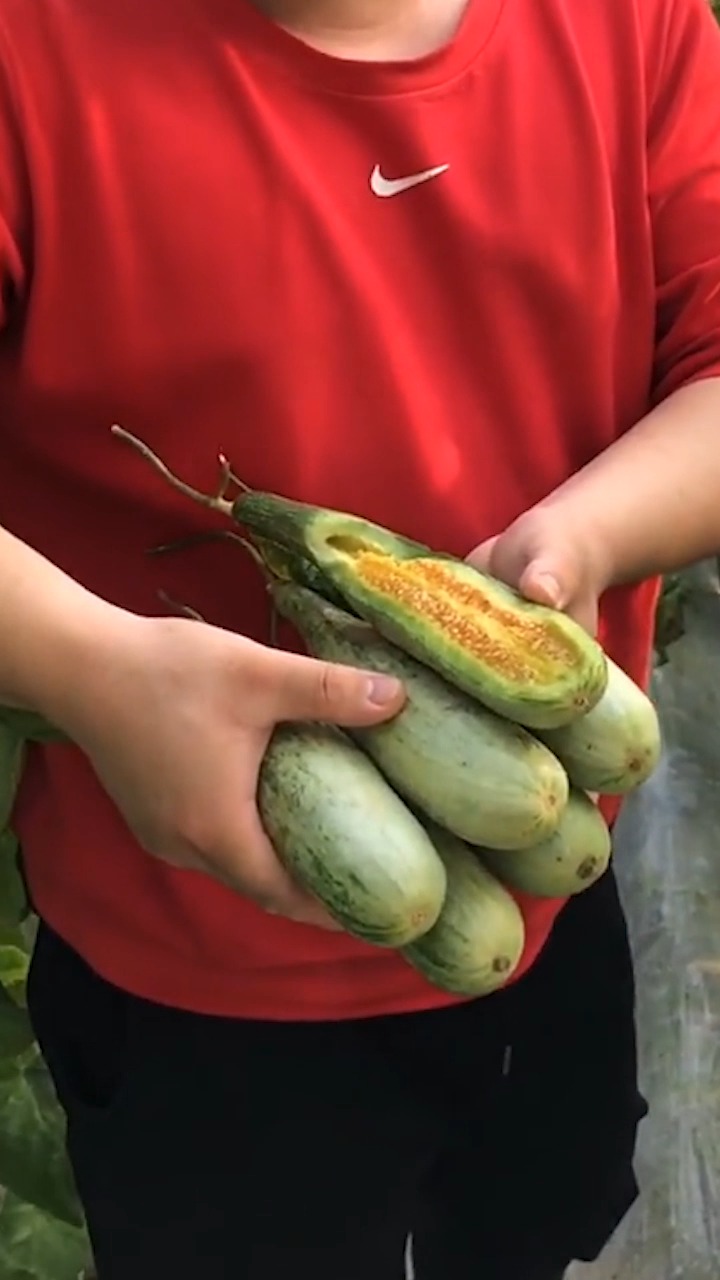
[549,560]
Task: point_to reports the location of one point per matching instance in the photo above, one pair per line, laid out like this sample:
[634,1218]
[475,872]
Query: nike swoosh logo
[385,187]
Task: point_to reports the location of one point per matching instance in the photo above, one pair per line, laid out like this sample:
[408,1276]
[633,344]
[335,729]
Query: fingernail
[382,690]
[549,586]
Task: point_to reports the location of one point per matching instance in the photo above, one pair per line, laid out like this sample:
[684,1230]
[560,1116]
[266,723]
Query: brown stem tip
[215,502]
[215,535]
[184,610]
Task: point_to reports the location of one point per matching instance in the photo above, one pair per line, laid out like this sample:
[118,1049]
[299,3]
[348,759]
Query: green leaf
[13,900]
[12,755]
[670,616]
[16,1033]
[35,1246]
[29,726]
[13,935]
[14,963]
[33,1160]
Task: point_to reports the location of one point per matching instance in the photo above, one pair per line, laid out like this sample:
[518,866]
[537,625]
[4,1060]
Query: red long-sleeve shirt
[192,243]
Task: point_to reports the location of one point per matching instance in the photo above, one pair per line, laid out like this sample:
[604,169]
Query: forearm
[651,502]
[49,626]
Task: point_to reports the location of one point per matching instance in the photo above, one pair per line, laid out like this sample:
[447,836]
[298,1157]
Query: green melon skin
[532,665]
[617,745]
[479,937]
[568,862]
[485,779]
[291,525]
[347,837]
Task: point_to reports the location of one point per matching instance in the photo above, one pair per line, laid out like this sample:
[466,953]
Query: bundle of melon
[412,832]
[504,806]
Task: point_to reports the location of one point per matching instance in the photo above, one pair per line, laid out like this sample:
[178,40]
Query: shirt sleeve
[684,191]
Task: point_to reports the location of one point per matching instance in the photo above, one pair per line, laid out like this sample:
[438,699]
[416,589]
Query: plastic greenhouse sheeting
[668,862]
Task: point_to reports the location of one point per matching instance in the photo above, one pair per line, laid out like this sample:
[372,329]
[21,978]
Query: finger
[481,556]
[550,584]
[541,582]
[300,688]
[248,864]
[302,908]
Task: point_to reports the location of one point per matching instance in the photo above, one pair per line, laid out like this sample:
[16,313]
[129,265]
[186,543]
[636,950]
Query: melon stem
[215,502]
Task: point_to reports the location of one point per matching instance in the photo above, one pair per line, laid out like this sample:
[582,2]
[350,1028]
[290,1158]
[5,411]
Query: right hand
[175,717]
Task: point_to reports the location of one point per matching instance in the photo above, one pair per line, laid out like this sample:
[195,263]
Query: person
[453,266]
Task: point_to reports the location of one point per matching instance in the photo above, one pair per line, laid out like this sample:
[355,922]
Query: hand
[549,562]
[175,717]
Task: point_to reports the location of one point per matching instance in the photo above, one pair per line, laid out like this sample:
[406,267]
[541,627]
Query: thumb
[303,688]
[545,581]
[539,579]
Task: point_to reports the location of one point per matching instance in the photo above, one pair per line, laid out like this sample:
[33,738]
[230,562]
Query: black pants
[499,1133]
